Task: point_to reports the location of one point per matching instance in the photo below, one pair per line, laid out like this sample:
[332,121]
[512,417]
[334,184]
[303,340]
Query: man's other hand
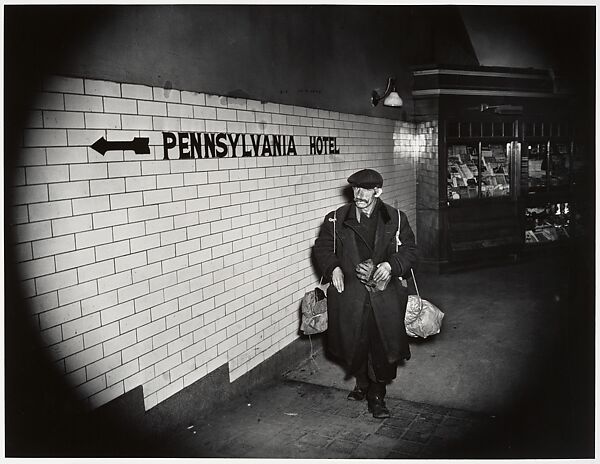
[337,279]
[382,272]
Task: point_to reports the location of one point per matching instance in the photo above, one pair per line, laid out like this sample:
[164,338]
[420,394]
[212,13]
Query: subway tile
[153,356]
[151,108]
[148,242]
[74,259]
[32,231]
[173,236]
[136,122]
[99,87]
[205,112]
[174,208]
[67,190]
[96,271]
[192,98]
[143,213]
[107,186]
[45,137]
[112,250]
[155,167]
[126,231]
[62,119]
[160,123]
[62,84]
[131,261]
[22,252]
[93,237]
[102,121]
[166,94]
[88,171]
[46,174]
[83,358]
[216,100]
[49,101]
[103,365]
[157,196]
[71,225]
[53,246]
[216,126]
[85,138]
[224,114]
[122,372]
[120,105]
[133,291]
[192,125]
[114,282]
[234,127]
[65,348]
[28,194]
[60,315]
[99,302]
[36,268]
[80,326]
[124,169]
[31,157]
[126,200]
[179,110]
[83,103]
[50,210]
[106,395]
[141,92]
[116,312]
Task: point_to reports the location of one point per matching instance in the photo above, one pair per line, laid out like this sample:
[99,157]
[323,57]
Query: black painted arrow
[139,145]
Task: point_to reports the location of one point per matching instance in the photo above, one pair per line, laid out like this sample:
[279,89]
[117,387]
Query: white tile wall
[142,271]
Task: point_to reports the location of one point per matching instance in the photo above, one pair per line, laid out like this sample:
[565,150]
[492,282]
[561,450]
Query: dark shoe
[358,394]
[377,407]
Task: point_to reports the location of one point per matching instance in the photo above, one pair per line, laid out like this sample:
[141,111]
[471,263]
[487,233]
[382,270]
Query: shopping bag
[422,318]
[314,312]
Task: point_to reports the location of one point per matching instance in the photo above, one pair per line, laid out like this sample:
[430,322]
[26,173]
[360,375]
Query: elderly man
[367,301]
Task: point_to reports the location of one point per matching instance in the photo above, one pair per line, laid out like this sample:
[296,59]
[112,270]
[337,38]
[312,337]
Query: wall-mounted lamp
[390,97]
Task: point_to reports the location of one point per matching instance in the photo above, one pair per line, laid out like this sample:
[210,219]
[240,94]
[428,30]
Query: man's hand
[382,272]
[337,279]
[363,271]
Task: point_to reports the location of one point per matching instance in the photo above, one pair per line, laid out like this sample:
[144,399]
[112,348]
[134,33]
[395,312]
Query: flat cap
[366,178]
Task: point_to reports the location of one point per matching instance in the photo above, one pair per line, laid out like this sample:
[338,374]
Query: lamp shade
[393,99]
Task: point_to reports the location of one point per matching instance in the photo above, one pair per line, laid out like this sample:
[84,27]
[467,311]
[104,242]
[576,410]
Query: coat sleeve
[325,259]
[408,254]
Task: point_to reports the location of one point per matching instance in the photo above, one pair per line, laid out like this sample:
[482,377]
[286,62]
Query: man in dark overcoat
[366,300]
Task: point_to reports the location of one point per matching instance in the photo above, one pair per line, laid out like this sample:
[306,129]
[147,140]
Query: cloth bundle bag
[422,318]
[314,303]
[314,312]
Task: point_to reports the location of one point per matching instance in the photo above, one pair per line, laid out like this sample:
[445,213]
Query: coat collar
[347,217]
[347,212]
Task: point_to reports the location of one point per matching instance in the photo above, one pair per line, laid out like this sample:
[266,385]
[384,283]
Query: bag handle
[334,220]
[399,242]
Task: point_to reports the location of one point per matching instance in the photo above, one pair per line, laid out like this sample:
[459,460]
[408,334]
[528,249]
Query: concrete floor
[499,327]
[514,344]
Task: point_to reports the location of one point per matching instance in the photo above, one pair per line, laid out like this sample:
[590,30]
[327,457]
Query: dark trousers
[371,367]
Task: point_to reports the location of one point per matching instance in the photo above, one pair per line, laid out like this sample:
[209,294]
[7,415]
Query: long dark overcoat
[346,309]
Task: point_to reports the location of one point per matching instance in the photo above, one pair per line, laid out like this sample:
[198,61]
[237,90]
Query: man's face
[364,198]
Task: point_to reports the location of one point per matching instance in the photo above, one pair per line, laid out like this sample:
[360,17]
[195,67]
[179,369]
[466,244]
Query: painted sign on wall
[188,145]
